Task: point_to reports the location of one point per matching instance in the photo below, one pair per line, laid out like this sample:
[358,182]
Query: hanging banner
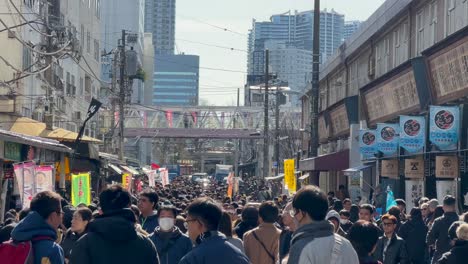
[390,169]
[230,181]
[81,189]
[127,181]
[447,167]
[169,118]
[413,133]
[44,176]
[388,139]
[289,176]
[444,126]
[367,143]
[414,189]
[445,188]
[24,173]
[164,174]
[151,177]
[414,168]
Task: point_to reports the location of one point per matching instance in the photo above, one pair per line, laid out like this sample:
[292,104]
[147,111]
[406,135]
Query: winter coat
[237,242]
[45,251]
[396,251]
[243,227]
[458,254]
[68,242]
[269,235]
[284,243]
[112,239]
[438,234]
[149,223]
[5,232]
[314,243]
[414,233]
[171,247]
[213,248]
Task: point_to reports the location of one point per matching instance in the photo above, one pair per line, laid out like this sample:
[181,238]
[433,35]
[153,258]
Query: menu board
[449,71]
[395,96]
[339,120]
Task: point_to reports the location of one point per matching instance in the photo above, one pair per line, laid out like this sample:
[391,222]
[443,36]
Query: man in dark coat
[414,233]
[112,237]
[438,235]
[391,249]
[459,252]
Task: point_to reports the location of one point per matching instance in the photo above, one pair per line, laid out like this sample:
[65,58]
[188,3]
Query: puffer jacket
[396,252]
[172,246]
[112,239]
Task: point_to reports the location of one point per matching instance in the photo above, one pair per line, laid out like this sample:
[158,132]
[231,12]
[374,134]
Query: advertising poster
[444,126]
[367,143]
[127,181]
[289,177]
[388,139]
[44,178]
[81,191]
[414,190]
[24,174]
[413,133]
[445,188]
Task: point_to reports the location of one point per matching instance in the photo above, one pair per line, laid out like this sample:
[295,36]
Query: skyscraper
[350,27]
[160,20]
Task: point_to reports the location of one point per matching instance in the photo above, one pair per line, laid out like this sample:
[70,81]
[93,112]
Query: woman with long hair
[225,227]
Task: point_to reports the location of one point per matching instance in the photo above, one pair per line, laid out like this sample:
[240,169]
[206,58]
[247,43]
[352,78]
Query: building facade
[350,27]
[407,56]
[160,20]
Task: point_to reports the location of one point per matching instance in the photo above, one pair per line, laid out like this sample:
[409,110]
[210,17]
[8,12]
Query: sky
[201,22]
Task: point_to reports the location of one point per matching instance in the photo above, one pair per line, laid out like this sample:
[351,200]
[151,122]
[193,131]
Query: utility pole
[236,154]
[122,97]
[315,83]
[277,133]
[266,158]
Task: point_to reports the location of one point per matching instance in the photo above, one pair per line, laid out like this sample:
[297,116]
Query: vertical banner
[81,189]
[44,176]
[127,181]
[445,188]
[388,139]
[367,143]
[289,176]
[194,118]
[444,126]
[151,177]
[169,118]
[414,191]
[413,133]
[164,173]
[230,181]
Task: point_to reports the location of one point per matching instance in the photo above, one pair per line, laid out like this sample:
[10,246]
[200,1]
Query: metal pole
[266,158]
[314,143]
[236,153]
[122,97]
[277,134]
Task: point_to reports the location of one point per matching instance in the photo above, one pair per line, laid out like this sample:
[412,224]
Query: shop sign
[447,167]
[12,151]
[413,133]
[323,129]
[449,71]
[414,189]
[367,143]
[444,126]
[339,120]
[390,168]
[395,96]
[414,168]
[388,138]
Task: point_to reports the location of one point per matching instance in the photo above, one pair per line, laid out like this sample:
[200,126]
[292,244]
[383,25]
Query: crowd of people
[192,224]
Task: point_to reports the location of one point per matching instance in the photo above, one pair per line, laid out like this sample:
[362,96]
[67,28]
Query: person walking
[414,232]
[148,203]
[314,242]
[262,243]
[40,226]
[249,221]
[391,249]
[225,227]
[171,244]
[364,236]
[286,234]
[112,237]
[212,247]
[459,252]
[438,234]
[79,226]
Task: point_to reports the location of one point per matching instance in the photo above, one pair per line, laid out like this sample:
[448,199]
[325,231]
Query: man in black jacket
[438,235]
[112,237]
[391,249]
[414,233]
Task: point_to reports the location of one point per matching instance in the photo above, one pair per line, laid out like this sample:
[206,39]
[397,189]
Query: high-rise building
[176,80]
[160,20]
[350,27]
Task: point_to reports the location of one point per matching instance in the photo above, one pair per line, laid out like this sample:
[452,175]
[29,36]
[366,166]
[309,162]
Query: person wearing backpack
[36,233]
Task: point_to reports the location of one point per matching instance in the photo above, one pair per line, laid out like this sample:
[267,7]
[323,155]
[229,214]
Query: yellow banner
[289,176]
[126,180]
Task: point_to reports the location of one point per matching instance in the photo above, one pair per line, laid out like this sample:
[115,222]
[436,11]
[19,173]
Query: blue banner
[444,126]
[388,139]
[413,133]
[367,143]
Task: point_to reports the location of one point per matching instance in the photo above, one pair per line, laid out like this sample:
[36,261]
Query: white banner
[164,173]
[414,189]
[151,177]
[445,188]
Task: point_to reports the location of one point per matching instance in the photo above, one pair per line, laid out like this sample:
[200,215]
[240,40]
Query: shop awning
[35,128]
[305,176]
[115,168]
[356,169]
[130,169]
[34,141]
[336,161]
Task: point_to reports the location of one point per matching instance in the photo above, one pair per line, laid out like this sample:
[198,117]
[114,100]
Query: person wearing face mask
[314,242]
[345,223]
[171,244]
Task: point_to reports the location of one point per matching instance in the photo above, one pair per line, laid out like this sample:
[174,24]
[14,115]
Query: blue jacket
[33,225]
[214,250]
[171,247]
[149,223]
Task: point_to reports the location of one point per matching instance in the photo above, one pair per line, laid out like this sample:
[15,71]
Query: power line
[212,45]
[215,26]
